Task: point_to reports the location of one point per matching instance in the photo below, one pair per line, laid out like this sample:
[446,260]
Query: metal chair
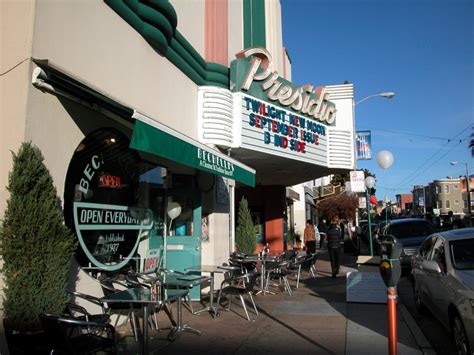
[68,335]
[79,312]
[296,265]
[110,286]
[233,288]
[279,270]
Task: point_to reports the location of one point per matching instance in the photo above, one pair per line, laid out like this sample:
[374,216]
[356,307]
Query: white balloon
[369,182]
[384,159]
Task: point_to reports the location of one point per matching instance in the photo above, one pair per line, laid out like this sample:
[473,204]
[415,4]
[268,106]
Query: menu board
[365,287]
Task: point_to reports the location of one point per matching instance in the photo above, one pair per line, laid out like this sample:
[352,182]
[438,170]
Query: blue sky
[421,50]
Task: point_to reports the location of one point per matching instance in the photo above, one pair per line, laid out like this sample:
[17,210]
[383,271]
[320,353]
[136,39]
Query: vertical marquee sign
[277,117]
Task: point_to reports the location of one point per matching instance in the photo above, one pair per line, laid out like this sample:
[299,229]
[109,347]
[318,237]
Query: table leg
[180,327]
[213,310]
[145,329]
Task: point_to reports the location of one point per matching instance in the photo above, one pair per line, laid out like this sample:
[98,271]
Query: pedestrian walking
[309,238]
[334,236]
[322,228]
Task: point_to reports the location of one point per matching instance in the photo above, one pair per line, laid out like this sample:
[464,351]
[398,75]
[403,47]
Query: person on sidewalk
[309,238]
[322,228]
[334,235]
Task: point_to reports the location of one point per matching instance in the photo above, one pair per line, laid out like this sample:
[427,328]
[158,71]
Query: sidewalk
[315,319]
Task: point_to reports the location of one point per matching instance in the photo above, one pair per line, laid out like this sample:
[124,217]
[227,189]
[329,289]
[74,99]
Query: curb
[417,333]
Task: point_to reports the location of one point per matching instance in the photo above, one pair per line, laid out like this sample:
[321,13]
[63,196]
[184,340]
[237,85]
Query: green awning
[153,137]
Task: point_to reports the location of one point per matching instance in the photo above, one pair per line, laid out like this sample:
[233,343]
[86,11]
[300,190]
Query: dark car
[410,232]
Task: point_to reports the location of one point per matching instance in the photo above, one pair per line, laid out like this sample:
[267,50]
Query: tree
[36,246]
[343,205]
[245,231]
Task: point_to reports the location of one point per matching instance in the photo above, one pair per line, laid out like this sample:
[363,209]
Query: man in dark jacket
[334,236]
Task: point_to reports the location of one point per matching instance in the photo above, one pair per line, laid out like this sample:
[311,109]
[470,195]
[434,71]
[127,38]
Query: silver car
[443,272]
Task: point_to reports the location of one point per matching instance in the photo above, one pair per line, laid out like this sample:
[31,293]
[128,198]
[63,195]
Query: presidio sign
[279,118]
[255,64]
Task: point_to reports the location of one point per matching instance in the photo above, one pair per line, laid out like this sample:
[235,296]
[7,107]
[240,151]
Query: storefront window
[114,202]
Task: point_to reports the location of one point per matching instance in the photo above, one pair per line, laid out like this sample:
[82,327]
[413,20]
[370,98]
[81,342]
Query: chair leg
[254,307]
[134,325]
[190,303]
[298,276]
[245,308]
[287,285]
[218,301]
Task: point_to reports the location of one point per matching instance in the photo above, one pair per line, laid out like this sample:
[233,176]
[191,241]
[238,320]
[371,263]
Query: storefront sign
[255,65]
[109,234]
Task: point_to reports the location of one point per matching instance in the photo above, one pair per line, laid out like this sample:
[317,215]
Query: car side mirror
[431,266]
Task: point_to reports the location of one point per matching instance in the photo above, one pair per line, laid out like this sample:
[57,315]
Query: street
[433,330]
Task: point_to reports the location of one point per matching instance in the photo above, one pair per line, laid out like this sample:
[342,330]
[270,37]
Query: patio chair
[73,309]
[68,335]
[278,270]
[296,266]
[110,286]
[233,288]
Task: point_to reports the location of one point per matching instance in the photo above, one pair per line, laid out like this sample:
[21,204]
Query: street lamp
[369,183]
[387,95]
[468,180]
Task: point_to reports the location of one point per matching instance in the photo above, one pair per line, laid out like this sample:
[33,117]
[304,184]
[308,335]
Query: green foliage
[245,231]
[36,246]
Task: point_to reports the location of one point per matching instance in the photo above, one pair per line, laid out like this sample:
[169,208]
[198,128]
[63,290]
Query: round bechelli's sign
[109,234]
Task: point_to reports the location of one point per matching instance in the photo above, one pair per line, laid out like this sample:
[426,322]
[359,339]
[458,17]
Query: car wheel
[460,336]
[419,305]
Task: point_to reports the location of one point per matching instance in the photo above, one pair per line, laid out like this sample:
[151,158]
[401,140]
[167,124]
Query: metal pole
[468,180]
[392,320]
[369,221]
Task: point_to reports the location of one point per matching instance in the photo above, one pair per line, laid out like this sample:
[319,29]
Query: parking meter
[390,268]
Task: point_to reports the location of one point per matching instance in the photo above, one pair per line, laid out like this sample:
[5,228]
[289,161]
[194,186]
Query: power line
[411,134]
[415,172]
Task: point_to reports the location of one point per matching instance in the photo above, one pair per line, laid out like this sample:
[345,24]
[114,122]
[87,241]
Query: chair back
[54,332]
[107,287]
[251,279]
[290,255]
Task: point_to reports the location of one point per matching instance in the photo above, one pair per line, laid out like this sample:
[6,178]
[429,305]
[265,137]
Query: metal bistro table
[212,270]
[179,281]
[144,296]
[264,259]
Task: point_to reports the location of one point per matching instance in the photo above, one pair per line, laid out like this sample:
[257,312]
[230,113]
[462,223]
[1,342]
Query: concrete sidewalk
[315,319]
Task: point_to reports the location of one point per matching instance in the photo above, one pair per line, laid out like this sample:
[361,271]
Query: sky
[423,50]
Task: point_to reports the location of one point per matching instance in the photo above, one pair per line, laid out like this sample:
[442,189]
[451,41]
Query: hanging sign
[363,145]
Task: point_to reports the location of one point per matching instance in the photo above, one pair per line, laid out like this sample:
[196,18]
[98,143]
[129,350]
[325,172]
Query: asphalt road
[437,335]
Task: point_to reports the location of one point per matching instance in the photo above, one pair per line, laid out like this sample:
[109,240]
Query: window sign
[112,202]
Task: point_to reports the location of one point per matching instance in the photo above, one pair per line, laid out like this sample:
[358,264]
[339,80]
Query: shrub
[245,231]
[36,246]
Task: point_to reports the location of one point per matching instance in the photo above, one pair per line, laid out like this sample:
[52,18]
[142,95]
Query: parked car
[410,232]
[443,272]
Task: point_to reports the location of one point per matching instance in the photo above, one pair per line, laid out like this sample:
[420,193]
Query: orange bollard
[392,320]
